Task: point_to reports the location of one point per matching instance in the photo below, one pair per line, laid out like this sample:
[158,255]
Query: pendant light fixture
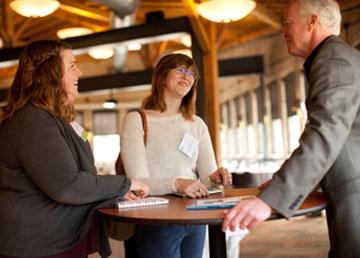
[225,10]
[73,32]
[111,102]
[34,8]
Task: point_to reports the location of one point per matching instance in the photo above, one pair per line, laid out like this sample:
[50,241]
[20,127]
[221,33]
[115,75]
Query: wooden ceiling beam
[2,20]
[348,4]
[197,26]
[2,34]
[7,24]
[354,34]
[81,11]
[164,4]
[235,41]
[88,5]
[267,16]
[161,49]
[120,95]
[220,34]
[150,53]
[237,86]
[38,27]
[21,28]
[145,55]
[78,21]
[142,31]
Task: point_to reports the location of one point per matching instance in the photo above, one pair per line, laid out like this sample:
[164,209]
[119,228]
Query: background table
[175,213]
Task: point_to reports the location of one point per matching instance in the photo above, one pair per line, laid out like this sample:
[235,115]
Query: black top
[49,187]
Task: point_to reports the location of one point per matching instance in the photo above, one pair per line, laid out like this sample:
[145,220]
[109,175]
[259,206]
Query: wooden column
[267,121]
[255,119]
[283,114]
[208,41]
[224,130]
[6,23]
[300,97]
[233,140]
[242,125]
[211,74]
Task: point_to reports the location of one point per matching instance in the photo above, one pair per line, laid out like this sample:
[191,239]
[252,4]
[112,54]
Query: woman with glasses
[178,156]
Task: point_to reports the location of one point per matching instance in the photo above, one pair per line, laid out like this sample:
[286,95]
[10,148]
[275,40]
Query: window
[106,141]
[293,105]
[276,126]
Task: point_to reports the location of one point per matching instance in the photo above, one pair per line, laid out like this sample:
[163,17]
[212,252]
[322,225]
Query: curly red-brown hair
[38,80]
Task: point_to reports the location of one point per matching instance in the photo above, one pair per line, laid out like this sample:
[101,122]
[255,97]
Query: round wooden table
[175,213]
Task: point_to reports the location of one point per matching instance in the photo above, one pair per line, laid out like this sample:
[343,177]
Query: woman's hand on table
[221,176]
[191,187]
[137,190]
[130,196]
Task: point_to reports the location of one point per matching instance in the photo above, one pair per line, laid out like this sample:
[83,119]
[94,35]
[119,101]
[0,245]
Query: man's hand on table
[246,214]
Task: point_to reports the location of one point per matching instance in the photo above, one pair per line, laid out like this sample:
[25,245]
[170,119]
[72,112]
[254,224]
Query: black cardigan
[49,188]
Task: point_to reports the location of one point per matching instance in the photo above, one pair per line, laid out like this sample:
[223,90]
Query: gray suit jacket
[329,150]
[48,185]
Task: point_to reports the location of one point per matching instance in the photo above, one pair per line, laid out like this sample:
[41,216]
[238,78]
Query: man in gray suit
[329,150]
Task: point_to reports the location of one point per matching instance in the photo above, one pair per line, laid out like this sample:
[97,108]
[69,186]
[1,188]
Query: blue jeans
[170,241]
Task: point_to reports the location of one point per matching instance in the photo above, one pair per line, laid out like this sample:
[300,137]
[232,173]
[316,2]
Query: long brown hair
[156,99]
[38,80]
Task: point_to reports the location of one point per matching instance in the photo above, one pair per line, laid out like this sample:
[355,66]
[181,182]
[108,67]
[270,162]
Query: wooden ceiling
[266,19]
[16,30]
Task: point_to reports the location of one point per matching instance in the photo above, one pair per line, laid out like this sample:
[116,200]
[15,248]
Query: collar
[309,60]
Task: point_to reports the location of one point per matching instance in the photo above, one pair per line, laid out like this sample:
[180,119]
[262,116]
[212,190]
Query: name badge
[79,130]
[188,144]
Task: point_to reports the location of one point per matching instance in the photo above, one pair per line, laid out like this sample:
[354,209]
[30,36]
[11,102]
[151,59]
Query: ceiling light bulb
[73,32]
[101,52]
[110,103]
[225,10]
[34,8]
[132,46]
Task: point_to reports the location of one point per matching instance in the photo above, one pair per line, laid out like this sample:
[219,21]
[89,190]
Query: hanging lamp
[225,10]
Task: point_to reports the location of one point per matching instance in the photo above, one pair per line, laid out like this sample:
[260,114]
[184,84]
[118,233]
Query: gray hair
[328,11]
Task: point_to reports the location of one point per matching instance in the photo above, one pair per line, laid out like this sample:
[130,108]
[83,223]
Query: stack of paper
[149,201]
[217,203]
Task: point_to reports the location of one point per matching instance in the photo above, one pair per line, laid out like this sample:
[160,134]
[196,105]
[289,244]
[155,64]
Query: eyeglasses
[184,71]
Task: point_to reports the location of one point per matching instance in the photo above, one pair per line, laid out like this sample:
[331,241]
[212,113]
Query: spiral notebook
[149,201]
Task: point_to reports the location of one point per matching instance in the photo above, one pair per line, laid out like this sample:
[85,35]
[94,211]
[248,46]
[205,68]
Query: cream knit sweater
[160,163]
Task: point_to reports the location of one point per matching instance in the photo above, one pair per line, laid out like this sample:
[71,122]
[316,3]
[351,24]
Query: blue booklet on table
[217,203]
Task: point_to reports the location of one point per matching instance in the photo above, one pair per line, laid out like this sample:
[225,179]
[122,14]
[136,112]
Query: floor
[302,237]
